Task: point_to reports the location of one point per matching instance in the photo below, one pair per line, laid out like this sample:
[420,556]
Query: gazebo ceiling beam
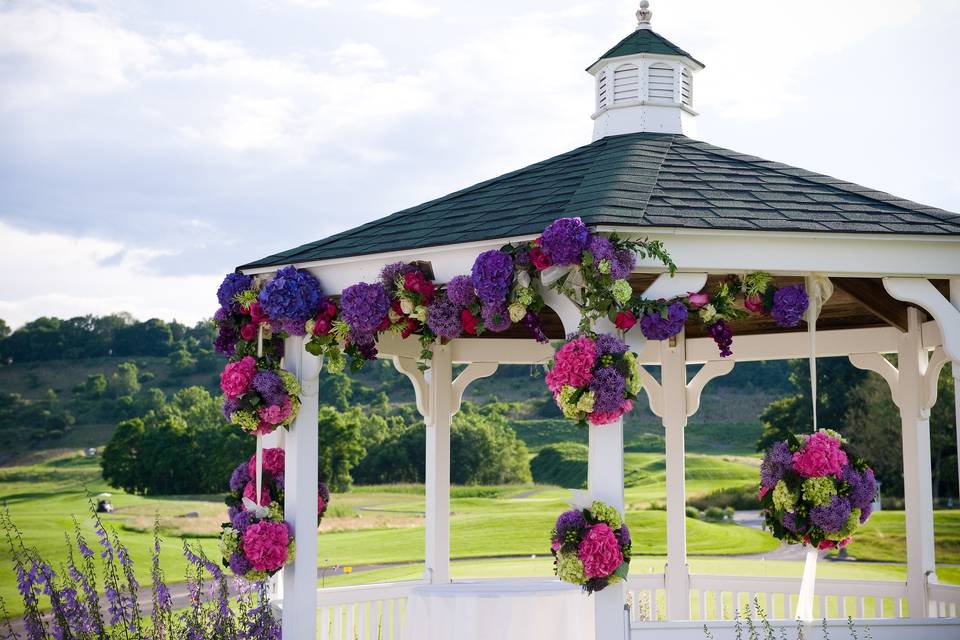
[872,295]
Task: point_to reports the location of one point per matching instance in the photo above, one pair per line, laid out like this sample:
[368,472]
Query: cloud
[403,8]
[63,275]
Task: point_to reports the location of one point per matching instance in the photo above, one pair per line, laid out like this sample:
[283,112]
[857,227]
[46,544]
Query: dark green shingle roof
[638,180]
[645,41]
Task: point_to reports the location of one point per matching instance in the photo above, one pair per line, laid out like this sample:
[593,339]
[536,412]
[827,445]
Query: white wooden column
[673,382]
[440,402]
[300,497]
[917,485]
[955,370]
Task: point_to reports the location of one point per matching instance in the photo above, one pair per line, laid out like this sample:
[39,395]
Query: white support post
[605,483]
[673,383]
[300,495]
[440,404]
[917,485]
[955,369]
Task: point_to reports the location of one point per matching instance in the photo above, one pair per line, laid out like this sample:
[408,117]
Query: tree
[125,380]
[336,390]
[340,447]
[4,329]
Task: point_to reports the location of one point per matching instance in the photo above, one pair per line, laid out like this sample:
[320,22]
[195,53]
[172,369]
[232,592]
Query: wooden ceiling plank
[870,293]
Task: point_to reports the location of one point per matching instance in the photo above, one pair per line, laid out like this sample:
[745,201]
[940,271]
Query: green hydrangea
[291,551]
[525,296]
[756,283]
[605,267]
[570,568]
[707,313]
[256,576]
[585,403]
[606,513]
[246,420]
[333,361]
[290,382]
[783,498]
[340,330]
[621,291]
[853,523]
[229,542]
[818,491]
[634,383]
[567,403]
[274,511]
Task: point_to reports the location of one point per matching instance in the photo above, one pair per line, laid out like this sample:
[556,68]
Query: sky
[146,148]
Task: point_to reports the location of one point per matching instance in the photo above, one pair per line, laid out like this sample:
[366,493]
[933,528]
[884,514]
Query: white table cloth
[499,609]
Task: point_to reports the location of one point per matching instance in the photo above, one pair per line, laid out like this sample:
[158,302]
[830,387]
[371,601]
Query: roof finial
[643,15]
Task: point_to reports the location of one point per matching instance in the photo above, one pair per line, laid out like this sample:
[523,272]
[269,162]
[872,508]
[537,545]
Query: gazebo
[895,270]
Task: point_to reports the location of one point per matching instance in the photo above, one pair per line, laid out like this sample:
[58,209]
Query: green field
[384,524]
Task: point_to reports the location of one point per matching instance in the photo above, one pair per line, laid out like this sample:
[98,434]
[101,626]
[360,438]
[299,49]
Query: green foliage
[713,514]
[692,512]
[125,380]
[33,420]
[743,498]
[4,329]
[341,445]
[563,464]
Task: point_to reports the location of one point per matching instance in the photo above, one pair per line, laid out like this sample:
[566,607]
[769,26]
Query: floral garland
[814,491]
[591,547]
[256,542]
[594,378]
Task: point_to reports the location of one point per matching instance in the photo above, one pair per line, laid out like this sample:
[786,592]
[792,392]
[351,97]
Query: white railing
[944,600]
[364,612]
[716,598]
[647,596]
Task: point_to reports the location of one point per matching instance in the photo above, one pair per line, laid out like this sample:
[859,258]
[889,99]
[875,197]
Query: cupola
[644,83]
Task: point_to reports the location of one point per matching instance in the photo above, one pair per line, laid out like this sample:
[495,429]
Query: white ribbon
[580,499]
[551,274]
[805,599]
[259,437]
[255,509]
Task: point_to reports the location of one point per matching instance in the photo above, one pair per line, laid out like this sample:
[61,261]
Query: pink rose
[624,320]
[265,545]
[698,300]
[321,505]
[573,365]
[820,456]
[539,259]
[600,552]
[237,376]
[826,544]
[248,331]
[754,304]
[250,493]
[257,315]
[273,461]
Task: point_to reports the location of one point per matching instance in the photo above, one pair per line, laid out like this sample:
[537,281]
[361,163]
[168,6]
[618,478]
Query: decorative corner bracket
[709,371]
[653,390]
[474,371]
[921,292]
[409,368]
[878,364]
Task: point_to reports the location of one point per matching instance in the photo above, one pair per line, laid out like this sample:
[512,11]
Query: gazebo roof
[642,180]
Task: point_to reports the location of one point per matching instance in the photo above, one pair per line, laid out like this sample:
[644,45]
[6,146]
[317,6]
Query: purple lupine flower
[776,461]
[460,291]
[239,478]
[364,306]
[492,275]
[608,386]
[292,295]
[495,317]
[624,261]
[609,344]
[572,520]
[624,535]
[831,517]
[790,522]
[230,405]
[722,334]
[534,328]
[564,240]
[443,318]
[655,326]
[232,284]
[789,305]
[390,273]
[863,486]
[270,387]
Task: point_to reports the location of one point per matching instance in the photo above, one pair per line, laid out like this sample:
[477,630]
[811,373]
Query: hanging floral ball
[591,547]
[814,491]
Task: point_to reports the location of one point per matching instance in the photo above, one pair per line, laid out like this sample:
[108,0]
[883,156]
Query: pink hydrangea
[250,493]
[820,456]
[237,376]
[600,552]
[598,418]
[273,461]
[265,545]
[573,364]
[276,413]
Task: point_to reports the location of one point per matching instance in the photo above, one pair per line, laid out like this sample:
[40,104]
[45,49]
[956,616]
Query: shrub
[713,514]
[693,512]
[743,498]
[728,513]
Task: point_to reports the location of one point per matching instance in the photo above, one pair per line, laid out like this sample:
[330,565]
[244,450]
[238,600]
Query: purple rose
[789,305]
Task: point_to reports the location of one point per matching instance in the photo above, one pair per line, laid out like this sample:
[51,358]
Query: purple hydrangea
[608,343]
[722,334]
[572,520]
[601,248]
[460,291]
[390,273]
[495,317]
[364,306]
[790,522]
[443,318]
[229,406]
[239,478]
[492,274]
[293,295]
[242,520]
[233,284]
[863,486]
[534,327]
[865,513]
[624,535]
[655,326]
[789,305]
[624,261]
[564,240]
[239,564]
[270,387]
[776,461]
[608,388]
[832,517]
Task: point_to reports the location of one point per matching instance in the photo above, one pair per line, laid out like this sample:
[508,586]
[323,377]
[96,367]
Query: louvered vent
[626,84]
[686,87]
[660,83]
[602,91]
